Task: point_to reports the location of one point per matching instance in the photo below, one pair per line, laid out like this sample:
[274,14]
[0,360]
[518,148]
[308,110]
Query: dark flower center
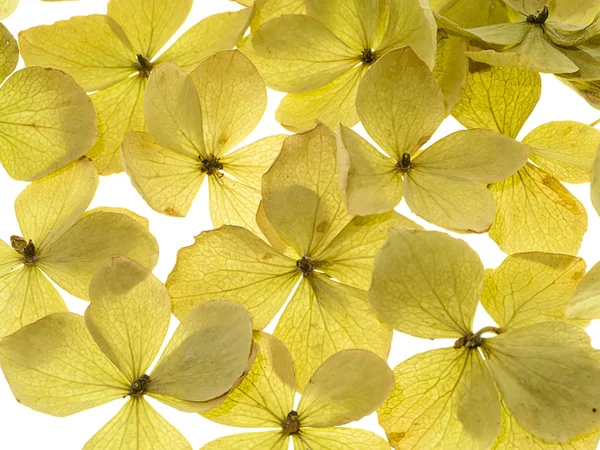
[212,166]
[368,56]
[404,165]
[291,425]
[139,386]
[144,66]
[539,18]
[26,249]
[474,340]
[305,265]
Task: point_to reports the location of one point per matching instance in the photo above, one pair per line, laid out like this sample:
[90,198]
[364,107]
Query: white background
[22,428]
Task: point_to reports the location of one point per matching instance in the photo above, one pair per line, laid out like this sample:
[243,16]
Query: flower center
[305,265]
[539,18]
[144,66]
[404,165]
[474,340]
[368,56]
[291,425]
[139,386]
[212,166]
[24,248]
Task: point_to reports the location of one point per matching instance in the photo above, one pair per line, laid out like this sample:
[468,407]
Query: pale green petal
[585,303]
[9,52]
[337,438]
[273,440]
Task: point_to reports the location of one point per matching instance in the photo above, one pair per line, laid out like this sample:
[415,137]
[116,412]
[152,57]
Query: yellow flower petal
[577,15]
[411,23]
[92,49]
[331,104]
[585,303]
[472,13]
[309,160]
[369,179]
[332,438]
[537,213]
[273,440]
[544,373]
[215,33]
[474,155]
[232,264]
[498,98]
[426,284]
[443,398]
[297,53]
[120,109]
[137,426]
[46,121]
[463,206]
[565,150]
[271,234]
[55,367]
[451,68]
[265,10]
[348,386]
[354,22]
[7,7]
[129,314]
[324,317]
[26,296]
[266,396]
[173,111]
[149,24]
[9,258]
[47,208]
[207,355]
[512,435]
[529,288]
[351,255]
[9,53]
[400,103]
[233,99]
[167,180]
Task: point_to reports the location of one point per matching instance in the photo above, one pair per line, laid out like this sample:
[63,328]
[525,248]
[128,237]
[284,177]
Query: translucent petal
[348,386]
[529,288]
[544,373]
[7,7]
[9,53]
[137,426]
[498,98]
[232,264]
[565,150]
[426,284]
[167,180]
[215,33]
[9,258]
[92,49]
[47,208]
[46,122]
[26,296]
[400,103]
[55,367]
[333,438]
[451,68]
[443,398]
[207,355]
[585,303]
[149,24]
[265,10]
[129,314]
[537,213]
[324,317]
[233,99]
[578,14]
[273,440]
[266,395]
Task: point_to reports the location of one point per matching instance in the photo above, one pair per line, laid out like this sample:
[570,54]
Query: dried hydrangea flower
[538,367]
[196,122]
[63,363]
[401,105]
[535,211]
[63,242]
[114,55]
[349,385]
[319,58]
[316,252]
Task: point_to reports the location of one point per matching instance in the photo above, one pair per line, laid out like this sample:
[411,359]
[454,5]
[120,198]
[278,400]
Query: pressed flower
[349,385]
[49,368]
[114,55]
[196,122]
[61,241]
[401,105]
[316,252]
[530,384]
